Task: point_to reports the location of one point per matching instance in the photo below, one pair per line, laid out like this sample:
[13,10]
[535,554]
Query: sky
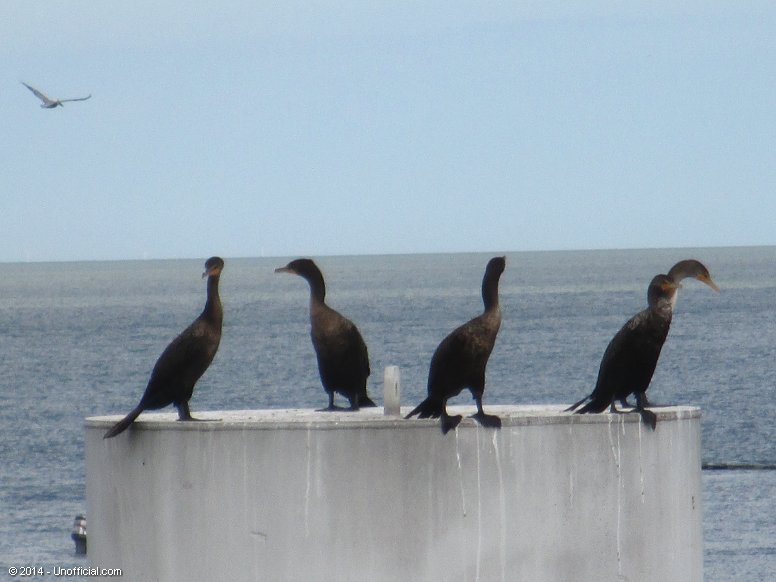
[334,127]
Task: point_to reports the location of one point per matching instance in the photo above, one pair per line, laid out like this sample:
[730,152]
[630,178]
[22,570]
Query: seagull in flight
[51,103]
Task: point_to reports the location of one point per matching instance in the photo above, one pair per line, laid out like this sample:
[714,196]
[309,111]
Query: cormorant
[51,103]
[631,357]
[343,360]
[459,361]
[680,271]
[185,359]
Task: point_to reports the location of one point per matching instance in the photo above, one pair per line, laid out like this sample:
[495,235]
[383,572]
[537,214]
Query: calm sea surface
[79,339]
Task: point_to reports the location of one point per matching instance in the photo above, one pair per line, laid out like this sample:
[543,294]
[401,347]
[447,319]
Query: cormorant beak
[284,270]
[707,279]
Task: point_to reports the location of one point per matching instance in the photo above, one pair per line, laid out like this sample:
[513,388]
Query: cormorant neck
[490,290]
[663,308]
[213,308]
[317,286]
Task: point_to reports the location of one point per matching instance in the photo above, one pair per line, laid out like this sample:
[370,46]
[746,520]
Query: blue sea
[80,339]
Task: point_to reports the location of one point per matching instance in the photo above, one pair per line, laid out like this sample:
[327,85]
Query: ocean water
[80,339]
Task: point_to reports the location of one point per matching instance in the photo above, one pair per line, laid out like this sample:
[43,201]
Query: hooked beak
[706,279]
[284,270]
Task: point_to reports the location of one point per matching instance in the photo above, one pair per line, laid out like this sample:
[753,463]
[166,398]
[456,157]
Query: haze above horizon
[335,128]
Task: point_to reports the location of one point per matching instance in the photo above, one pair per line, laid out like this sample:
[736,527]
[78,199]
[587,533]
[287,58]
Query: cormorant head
[301,267]
[496,266]
[694,269]
[309,271]
[213,267]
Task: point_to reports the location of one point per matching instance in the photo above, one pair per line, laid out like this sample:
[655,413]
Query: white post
[392,391]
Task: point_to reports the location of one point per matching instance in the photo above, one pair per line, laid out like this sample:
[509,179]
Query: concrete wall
[299,495]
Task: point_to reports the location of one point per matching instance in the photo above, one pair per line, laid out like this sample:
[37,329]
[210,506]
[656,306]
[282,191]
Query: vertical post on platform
[392,391]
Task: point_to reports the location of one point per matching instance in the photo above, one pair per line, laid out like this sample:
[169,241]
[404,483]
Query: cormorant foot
[334,408]
[449,422]
[649,417]
[199,419]
[487,420]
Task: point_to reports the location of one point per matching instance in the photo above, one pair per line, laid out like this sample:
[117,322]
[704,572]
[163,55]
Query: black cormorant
[185,359]
[631,357]
[460,360]
[343,360]
[689,268]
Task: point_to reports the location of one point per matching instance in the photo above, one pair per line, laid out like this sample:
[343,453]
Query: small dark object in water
[79,534]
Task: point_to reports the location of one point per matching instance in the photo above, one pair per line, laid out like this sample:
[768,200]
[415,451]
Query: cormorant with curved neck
[343,360]
[187,357]
[689,268]
[631,356]
[459,361]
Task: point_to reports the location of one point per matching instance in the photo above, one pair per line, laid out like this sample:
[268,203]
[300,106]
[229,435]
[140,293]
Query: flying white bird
[51,103]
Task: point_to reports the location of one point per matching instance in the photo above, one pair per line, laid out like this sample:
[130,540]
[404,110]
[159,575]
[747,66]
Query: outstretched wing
[78,99]
[39,95]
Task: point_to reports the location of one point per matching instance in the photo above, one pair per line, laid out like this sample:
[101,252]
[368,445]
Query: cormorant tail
[576,404]
[122,425]
[592,406]
[429,408]
[365,402]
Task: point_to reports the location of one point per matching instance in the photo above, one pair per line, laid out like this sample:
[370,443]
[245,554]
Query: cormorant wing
[630,358]
[181,364]
[341,350]
[363,353]
[458,361]
[39,95]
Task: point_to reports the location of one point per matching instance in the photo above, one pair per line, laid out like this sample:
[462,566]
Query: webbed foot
[487,420]
[449,422]
[334,408]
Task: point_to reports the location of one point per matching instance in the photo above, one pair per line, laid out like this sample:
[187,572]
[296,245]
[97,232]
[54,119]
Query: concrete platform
[304,495]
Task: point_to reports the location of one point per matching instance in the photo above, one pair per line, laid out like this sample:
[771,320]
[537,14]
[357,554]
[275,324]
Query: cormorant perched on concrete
[631,357]
[460,360]
[185,359]
[343,360]
[689,268]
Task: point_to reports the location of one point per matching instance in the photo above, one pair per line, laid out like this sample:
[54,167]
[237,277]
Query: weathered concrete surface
[300,495]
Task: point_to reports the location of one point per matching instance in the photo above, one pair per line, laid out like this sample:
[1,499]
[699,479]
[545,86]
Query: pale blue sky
[243,128]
